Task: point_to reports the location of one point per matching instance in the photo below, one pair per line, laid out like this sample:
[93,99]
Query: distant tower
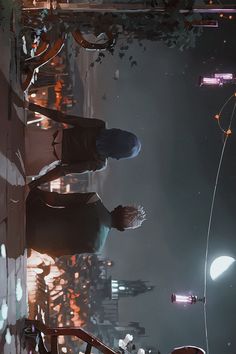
[124,288]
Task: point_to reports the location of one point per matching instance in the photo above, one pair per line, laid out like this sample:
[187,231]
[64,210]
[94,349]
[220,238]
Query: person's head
[128,217]
[118,144]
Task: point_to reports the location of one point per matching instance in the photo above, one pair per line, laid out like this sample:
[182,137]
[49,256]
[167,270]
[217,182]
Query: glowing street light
[217,79]
[209,81]
[186,299]
[225,76]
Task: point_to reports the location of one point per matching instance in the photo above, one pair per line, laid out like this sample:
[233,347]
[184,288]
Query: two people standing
[60,224]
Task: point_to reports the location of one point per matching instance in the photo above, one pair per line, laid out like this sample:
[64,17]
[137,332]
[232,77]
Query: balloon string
[211,215]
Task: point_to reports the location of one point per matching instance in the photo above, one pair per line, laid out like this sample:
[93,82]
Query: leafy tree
[114,30]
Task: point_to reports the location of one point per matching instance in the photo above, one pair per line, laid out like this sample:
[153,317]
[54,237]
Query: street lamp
[186,299]
[224,76]
[209,81]
[217,79]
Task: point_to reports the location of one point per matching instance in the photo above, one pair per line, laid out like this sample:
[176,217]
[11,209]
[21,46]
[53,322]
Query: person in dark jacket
[74,223]
[84,146]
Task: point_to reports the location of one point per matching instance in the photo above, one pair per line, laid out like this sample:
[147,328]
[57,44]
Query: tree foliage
[172,27]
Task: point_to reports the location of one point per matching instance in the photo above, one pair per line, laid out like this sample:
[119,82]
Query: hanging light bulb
[186,299]
[209,81]
[224,76]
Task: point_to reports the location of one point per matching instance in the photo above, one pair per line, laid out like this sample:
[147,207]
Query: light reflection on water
[8,336]
[13,308]
[3,303]
[3,251]
[4,309]
[19,291]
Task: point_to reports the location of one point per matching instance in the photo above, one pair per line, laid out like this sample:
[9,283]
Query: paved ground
[13,307]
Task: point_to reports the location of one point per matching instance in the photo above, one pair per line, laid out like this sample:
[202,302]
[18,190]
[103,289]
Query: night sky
[173,178]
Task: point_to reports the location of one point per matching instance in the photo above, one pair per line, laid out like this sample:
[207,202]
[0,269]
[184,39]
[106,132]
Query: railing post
[54,346]
[88,349]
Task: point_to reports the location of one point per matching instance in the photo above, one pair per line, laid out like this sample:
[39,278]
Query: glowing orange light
[221,15]
[230,17]
[73,259]
[229,132]
[217,116]
[235,94]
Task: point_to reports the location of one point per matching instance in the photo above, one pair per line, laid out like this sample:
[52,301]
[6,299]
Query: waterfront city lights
[220,265]
[186,299]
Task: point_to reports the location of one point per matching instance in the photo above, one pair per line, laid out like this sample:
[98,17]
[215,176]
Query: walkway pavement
[13,305]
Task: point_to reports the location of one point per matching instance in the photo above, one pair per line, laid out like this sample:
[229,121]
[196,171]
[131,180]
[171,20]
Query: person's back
[57,231]
[79,144]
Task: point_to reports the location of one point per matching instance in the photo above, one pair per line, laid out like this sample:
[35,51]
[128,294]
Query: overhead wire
[227,133]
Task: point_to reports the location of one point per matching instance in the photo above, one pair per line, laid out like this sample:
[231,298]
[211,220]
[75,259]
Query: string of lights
[227,132]
[221,15]
[218,117]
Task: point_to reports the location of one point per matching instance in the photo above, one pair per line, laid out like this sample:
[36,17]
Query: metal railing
[78,332]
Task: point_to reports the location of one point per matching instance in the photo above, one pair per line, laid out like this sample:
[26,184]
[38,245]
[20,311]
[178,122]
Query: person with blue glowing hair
[83,145]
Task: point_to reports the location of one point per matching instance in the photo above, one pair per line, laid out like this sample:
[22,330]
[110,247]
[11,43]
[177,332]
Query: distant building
[123,288]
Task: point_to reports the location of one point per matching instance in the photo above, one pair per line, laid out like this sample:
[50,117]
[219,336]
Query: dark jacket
[79,152]
[65,224]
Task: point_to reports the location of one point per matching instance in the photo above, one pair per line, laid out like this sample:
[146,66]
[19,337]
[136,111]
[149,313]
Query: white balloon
[220,265]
